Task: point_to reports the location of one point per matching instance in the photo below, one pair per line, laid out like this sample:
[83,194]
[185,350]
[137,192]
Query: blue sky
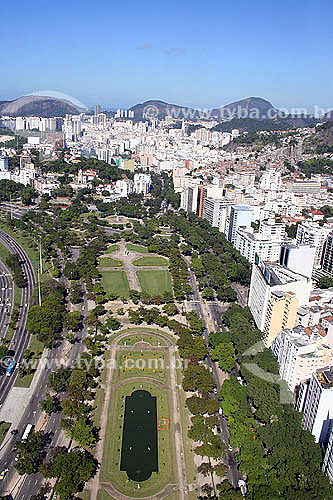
[184,52]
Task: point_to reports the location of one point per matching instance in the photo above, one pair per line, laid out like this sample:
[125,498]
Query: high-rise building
[274,297]
[266,243]
[216,211]
[311,233]
[239,216]
[308,187]
[142,183]
[315,399]
[97,109]
[328,458]
[300,352]
[271,180]
[327,255]
[298,258]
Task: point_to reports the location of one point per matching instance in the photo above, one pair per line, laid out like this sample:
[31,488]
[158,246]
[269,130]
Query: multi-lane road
[6,298]
[20,338]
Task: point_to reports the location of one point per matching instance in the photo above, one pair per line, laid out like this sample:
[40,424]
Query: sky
[193,53]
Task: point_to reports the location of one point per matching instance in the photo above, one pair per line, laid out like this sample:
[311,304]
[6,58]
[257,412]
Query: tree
[205,469]
[71,271]
[198,377]
[71,470]
[59,380]
[81,431]
[73,320]
[208,293]
[201,406]
[49,404]
[30,452]
[113,323]
[224,353]
[170,309]
[325,282]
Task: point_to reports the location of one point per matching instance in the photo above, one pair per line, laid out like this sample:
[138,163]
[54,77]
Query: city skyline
[101,56]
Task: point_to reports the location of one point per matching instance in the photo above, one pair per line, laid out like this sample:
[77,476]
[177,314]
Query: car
[14,432]
[3,474]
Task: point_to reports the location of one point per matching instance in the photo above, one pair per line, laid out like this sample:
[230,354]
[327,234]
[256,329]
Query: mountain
[252,107]
[161,109]
[254,125]
[35,105]
[328,115]
[321,141]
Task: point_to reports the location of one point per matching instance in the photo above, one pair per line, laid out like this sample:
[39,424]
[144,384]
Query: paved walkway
[170,488]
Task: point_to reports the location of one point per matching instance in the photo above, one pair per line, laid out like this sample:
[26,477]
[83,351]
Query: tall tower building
[274,297]
[97,109]
[239,216]
[327,257]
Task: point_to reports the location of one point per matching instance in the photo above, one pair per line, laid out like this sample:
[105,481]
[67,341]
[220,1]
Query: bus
[26,432]
[10,368]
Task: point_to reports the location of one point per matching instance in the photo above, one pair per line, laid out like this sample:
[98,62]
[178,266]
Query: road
[216,312]
[21,337]
[15,211]
[29,485]
[6,298]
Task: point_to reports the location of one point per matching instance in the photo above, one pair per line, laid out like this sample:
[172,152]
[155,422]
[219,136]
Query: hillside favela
[166,252]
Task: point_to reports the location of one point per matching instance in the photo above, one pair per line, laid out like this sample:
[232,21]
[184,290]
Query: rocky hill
[255,107]
[35,105]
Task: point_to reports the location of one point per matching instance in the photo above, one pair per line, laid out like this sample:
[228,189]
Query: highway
[15,211]
[29,485]
[21,337]
[6,298]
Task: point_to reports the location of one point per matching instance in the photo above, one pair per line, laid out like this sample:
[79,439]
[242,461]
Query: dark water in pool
[139,453]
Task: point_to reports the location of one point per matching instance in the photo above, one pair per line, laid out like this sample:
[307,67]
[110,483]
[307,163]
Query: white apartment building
[274,297]
[300,352]
[266,243]
[327,255]
[239,216]
[328,459]
[142,183]
[313,234]
[216,211]
[315,399]
[271,180]
[124,187]
[298,258]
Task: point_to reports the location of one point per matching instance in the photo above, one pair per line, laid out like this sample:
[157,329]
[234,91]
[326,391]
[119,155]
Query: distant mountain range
[35,105]
[253,107]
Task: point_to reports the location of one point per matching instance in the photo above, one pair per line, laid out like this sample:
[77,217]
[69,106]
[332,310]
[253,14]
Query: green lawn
[138,330]
[136,248]
[112,248]
[4,426]
[150,261]
[108,262]
[155,282]
[103,495]
[150,339]
[149,364]
[115,282]
[85,495]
